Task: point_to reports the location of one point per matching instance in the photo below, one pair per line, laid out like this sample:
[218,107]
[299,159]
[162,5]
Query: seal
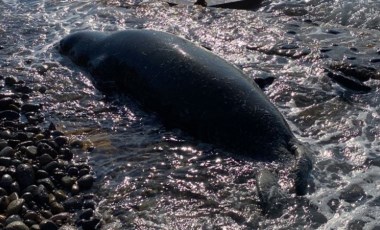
[192,89]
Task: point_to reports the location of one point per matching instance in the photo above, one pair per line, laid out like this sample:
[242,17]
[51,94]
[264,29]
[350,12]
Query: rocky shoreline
[41,186]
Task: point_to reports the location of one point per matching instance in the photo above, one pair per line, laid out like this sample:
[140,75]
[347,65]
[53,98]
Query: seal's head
[80,46]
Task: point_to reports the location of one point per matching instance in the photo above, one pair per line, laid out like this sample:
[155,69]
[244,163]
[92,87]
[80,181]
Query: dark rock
[67,154]
[32,215]
[30,108]
[25,175]
[60,195]
[14,207]
[23,89]
[4,202]
[89,204]
[356,225]
[15,187]
[331,31]
[16,225]
[6,181]
[47,183]
[354,49]
[48,225]
[42,89]
[86,214]
[9,115]
[91,224]
[67,181]
[73,203]
[61,140]
[41,195]
[12,218]
[51,166]
[5,161]
[63,216]
[56,208]
[27,196]
[7,152]
[73,171]
[349,83]
[375,202]
[46,214]
[40,174]
[352,193]
[31,151]
[85,182]
[325,49]
[43,148]
[375,60]
[45,159]
[10,81]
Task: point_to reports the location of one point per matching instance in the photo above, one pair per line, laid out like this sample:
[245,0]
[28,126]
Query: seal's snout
[62,47]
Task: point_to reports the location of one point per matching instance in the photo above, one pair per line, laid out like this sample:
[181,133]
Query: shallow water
[149,177]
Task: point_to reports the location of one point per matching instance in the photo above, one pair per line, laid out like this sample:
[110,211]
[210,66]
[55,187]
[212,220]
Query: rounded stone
[7,152]
[14,207]
[86,181]
[48,225]
[31,151]
[60,195]
[91,224]
[56,208]
[4,202]
[51,166]
[32,215]
[89,204]
[67,181]
[30,107]
[6,181]
[25,175]
[61,140]
[12,218]
[86,214]
[9,115]
[16,225]
[10,81]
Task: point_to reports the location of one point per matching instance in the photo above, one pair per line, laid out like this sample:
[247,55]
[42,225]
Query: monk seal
[192,89]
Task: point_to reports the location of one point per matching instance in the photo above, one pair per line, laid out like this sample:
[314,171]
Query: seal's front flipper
[271,197]
[302,168]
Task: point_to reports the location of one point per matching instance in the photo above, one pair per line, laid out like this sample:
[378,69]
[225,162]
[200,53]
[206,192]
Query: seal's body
[187,86]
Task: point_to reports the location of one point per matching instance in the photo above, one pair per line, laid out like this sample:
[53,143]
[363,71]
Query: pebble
[9,115]
[7,152]
[25,175]
[30,108]
[48,225]
[16,225]
[10,81]
[37,161]
[56,208]
[14,207]
[86,181]
[12,218]
[91,224]
[6,181]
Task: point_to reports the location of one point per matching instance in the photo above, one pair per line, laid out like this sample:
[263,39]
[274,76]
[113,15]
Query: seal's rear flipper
[271,197]
[302,167]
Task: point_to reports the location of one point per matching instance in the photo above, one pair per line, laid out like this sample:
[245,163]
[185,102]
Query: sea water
[151,177]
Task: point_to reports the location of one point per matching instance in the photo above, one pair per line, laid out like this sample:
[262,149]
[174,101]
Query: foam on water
[151,177]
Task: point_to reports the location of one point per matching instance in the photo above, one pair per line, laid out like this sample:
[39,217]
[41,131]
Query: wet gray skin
[192,89]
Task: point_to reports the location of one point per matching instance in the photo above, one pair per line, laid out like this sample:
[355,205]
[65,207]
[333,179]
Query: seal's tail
[302,167]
